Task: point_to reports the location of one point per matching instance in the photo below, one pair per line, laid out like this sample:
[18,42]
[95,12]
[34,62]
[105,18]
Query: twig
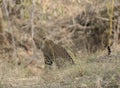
[105,19]
[10,27]
[80,26]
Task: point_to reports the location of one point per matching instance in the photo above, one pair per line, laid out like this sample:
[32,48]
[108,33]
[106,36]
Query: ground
[91,71]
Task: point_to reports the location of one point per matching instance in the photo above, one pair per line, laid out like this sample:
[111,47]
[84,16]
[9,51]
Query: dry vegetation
[83,28]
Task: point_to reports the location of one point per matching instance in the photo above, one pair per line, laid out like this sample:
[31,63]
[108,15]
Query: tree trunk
[1,23]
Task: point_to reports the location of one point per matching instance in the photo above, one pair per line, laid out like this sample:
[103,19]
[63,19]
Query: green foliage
[110,12]
[28,72]
[1,85]
[60,10]
[26,4]
[26,14]
[91,58]
[0,1]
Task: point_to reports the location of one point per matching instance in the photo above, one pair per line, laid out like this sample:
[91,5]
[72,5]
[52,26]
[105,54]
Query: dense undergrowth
[83,27]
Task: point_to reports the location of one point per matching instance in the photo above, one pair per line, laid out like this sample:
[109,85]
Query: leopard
[57,54]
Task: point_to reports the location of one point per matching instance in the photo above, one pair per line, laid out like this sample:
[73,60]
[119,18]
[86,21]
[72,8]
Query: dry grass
[90,70]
